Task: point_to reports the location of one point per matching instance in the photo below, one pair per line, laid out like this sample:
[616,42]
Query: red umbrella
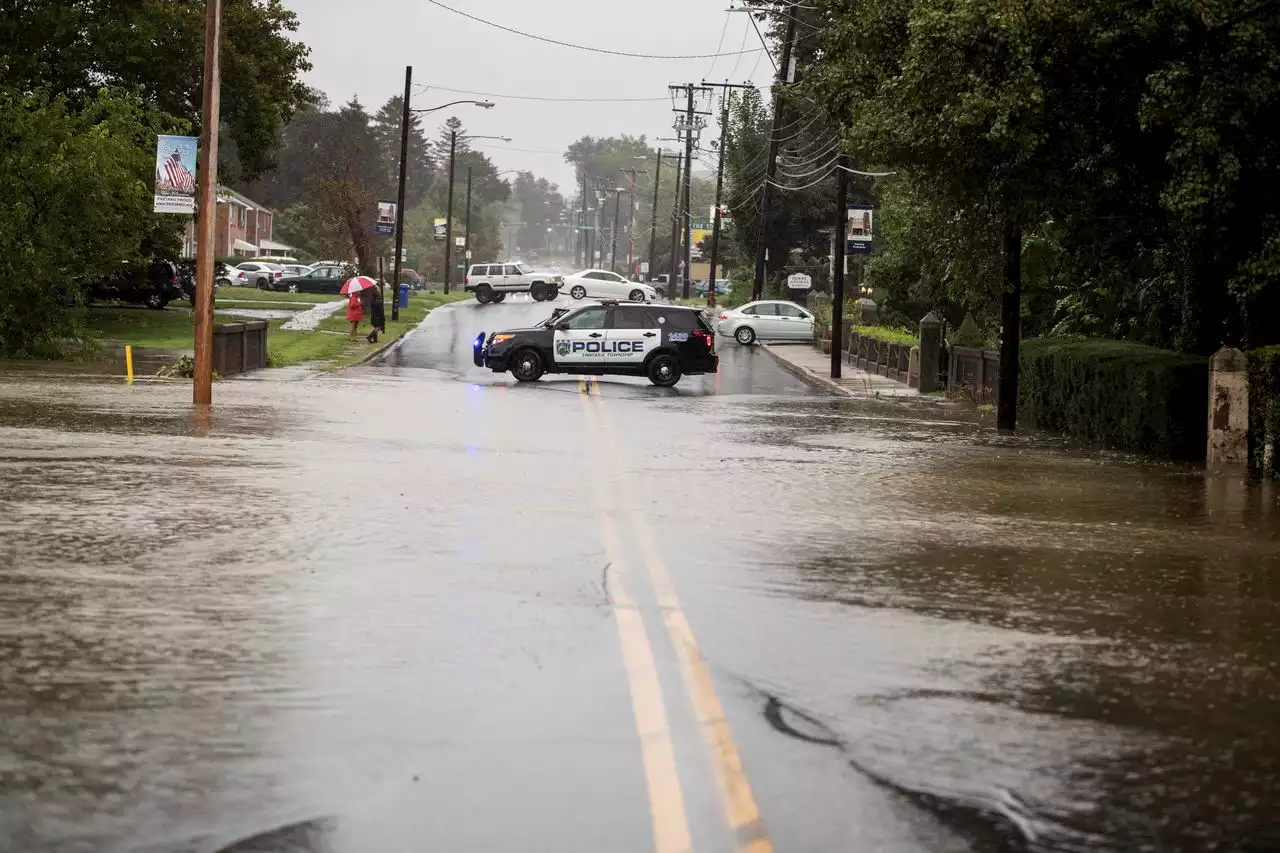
[357,284]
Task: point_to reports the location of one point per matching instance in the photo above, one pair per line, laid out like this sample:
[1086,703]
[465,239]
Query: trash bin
[404,296]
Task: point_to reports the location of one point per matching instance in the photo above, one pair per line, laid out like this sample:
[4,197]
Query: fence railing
[974,372]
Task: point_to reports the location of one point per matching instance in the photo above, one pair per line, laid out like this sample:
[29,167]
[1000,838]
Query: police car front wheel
[664,370]
[526,365]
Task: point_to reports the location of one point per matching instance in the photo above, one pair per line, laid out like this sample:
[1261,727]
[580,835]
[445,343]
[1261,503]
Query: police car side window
[591,318]
[631,318]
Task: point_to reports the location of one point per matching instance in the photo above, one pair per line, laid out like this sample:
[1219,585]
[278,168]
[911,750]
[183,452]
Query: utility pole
[631,228]
[837,276]
[583,263]
[672,277]
[404,157]
[202,384]
[686,221]
[724,144]
[653,218]
[466,244]
[617,208]
[448,216]
[771,167]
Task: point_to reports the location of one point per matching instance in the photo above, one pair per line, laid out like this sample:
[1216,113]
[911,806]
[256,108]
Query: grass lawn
[289,348]
[144,327]
[251,294]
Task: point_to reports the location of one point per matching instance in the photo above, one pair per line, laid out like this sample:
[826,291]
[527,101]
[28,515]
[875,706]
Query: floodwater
[396,608]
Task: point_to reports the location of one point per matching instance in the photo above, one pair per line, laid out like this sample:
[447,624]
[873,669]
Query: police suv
[662,342]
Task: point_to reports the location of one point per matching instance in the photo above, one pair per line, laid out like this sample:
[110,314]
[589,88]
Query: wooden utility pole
[202,390]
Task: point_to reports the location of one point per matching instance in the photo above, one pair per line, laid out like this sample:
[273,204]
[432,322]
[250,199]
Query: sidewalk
[814,367]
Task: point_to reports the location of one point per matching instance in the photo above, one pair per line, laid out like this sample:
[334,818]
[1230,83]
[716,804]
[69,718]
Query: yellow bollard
[128,361]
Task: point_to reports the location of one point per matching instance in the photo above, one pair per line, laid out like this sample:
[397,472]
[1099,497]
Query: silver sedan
[768,320]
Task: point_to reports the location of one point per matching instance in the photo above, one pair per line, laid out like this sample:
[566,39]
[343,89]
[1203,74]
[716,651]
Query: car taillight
[707,338]
[279,273]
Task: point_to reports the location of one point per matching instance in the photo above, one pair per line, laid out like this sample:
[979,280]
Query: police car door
[580,337]
[632,334]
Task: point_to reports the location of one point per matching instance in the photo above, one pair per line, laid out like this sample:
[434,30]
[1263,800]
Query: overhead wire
[628,54]
[424,87]
[741,48]
[723,32]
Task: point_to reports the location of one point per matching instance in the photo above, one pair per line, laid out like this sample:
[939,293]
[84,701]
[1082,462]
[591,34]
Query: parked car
[262,275]
[412,278]
[320,278]
[492,282]
[769,320]
[603,284]
[723,287]
[291,270]
[154,284]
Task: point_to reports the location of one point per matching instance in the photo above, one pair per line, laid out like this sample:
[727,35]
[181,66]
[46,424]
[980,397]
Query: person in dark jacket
[377,317]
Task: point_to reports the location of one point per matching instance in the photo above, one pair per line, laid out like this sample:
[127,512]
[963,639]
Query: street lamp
[404,156]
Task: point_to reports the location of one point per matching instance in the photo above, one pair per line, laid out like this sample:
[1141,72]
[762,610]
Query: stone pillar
[930,351]
[1228,451]
[868,313]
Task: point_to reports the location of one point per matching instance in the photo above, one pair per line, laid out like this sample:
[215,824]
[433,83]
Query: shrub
[1116,394]
[1264,408]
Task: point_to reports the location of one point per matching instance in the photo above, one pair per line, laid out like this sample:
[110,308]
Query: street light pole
[448,216]
[653,217]
[466,244]
[202,375]
[404,159]
[617,208]
[672,276]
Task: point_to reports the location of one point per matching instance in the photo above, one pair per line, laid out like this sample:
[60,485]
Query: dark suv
[662,342]
[153,284]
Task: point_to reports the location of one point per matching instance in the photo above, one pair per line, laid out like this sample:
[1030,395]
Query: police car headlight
[497,339]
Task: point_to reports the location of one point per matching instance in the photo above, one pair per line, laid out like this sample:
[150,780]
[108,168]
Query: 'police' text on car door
[580,338]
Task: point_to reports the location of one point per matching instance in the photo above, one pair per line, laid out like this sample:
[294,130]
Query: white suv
[492,282]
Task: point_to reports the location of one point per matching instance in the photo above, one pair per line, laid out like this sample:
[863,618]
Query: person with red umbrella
[355,307]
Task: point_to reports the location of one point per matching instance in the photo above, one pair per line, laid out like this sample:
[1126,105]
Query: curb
[804,373]
[390,345]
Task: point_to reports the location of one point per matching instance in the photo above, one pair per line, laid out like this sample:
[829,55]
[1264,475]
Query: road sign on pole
[799,281]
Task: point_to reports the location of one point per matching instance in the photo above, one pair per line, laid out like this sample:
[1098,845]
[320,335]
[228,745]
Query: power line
[741,49]
[768,52]
[426,87]
[723,32]
[585,47]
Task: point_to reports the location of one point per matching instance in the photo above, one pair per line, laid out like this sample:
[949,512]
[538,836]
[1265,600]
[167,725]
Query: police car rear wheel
[745,335]
[578,292]
[664,371]
[526,365]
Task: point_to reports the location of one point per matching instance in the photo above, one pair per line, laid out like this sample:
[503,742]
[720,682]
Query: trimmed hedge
[1264,407]
[1117,395]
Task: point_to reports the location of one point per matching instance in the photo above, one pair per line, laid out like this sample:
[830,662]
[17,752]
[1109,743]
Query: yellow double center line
[666,799]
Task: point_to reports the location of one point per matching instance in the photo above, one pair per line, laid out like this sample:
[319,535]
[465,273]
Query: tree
[155,49]
[77,185]
[541,207]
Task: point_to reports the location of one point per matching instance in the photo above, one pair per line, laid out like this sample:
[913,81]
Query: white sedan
[770,320]
[603,284]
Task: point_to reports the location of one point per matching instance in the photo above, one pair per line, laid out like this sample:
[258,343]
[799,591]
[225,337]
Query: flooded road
[413,606]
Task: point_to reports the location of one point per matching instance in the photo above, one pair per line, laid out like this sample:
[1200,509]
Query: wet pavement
[413,606]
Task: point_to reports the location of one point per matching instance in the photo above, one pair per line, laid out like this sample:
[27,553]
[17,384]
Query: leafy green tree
[155,48]
[77,186]
[420,166]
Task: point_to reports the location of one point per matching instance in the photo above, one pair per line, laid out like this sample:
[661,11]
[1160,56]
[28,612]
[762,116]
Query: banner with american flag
[176,174]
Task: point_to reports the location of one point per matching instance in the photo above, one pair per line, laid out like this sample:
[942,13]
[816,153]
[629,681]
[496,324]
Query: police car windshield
[555,315]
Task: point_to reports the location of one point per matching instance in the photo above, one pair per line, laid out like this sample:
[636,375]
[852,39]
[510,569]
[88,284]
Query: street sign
[799,281]
[644,267]
[860,233]
[459,242]
[386,225]
[468,254]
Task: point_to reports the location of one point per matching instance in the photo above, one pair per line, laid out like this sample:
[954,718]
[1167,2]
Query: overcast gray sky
[361,48]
